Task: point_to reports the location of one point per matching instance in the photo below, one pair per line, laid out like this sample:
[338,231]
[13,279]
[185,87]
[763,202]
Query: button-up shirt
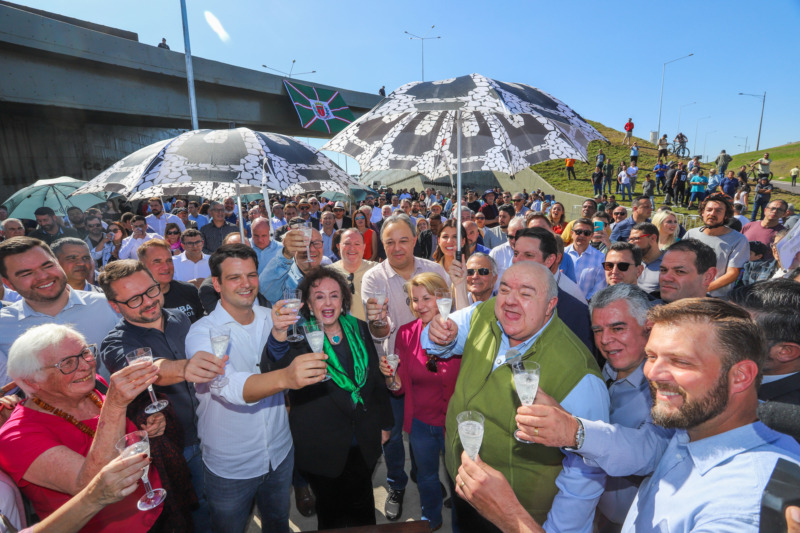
[186,269]
[214,235]
[168,344]
[591,258]
[87,312]
[240,440]
[630,407]
[130,245]
[267,254]
[384,277]
[159,224]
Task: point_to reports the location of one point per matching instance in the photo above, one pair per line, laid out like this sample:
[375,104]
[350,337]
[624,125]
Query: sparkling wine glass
[220,337]
[470,431]
[526,381]
[444,301]
[380,298]
[307,231]
[294,301]
[394,361]
[315,335]
[133,444]
[145,354]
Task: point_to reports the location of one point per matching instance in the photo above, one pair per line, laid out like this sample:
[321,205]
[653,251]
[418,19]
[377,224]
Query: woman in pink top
[427,383]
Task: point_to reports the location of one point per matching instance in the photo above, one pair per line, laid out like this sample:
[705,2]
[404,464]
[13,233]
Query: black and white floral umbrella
[506,127]
[211,163]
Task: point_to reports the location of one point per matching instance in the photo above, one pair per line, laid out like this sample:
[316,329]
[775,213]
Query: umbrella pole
[266,196]
[458,186]
[241,214]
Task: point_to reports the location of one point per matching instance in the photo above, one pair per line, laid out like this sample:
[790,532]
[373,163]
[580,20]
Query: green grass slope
[783,159]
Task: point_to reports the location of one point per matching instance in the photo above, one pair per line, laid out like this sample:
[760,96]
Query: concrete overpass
[77,96]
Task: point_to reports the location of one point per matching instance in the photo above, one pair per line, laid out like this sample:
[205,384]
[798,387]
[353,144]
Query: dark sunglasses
[350,278]
[173,233]
[608,266]
[480,271]
[431,364]
[584,232]
[92,226]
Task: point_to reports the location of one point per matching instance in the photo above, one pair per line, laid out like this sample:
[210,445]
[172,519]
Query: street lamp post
[189,69]
[761,121]
[679,114]
[694,148]
[705,139]
[289,74]
[745,141]
[661,98]
[422,41]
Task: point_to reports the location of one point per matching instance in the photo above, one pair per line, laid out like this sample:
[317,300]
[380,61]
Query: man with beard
[730,246]
[474,238]
[686,271]
[158,218]
[644,236]
[498,235]
[101,247]
[77,220]
[134,294]
[49,229]
[522,320]
[156,256]
[76,261]
[287,268]
[28,266]
[704,360]
[242,423]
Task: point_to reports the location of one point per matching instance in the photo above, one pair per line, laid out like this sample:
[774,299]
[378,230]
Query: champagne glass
[444,301]
[133,444]
[220,337]
[315,335]
[307,231]
[294,301]
[470,431]
[380,297]
[145,354]
[526,381]
[394,361]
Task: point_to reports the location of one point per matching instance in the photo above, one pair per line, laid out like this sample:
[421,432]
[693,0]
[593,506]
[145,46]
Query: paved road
[786,186]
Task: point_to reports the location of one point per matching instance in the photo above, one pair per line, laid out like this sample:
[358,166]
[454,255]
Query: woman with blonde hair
[426,385]
[667,223]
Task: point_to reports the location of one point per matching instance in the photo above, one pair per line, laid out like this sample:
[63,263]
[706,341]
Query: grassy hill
[553,171]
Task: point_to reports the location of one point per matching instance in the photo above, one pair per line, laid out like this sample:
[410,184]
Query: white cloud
[216,26]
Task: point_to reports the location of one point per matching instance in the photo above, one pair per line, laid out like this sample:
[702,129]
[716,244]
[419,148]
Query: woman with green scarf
[337,425]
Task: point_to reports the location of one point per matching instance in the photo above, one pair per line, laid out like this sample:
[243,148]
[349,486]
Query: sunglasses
[350,278]
[480,271]
[173,233]
[584,232]
[92,226]
[608,266]
[431,364]
[622,214]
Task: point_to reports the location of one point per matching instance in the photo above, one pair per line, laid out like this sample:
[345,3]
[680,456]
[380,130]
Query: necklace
[336,339]
[68,417]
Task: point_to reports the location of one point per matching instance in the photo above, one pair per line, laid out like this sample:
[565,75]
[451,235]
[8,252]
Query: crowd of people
[669,360]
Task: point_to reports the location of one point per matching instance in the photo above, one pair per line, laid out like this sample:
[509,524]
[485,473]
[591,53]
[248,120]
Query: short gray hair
[24,356]
[399,217]
[9,220]
[637,300]
[67,241]
[481,255]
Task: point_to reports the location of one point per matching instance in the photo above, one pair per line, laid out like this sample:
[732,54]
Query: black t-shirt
[184,296]
[475,206]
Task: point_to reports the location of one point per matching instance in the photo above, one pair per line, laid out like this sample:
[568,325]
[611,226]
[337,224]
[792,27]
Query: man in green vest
[554,486]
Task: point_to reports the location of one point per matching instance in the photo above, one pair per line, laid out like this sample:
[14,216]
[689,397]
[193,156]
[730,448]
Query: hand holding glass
[315,335]
[145,354]
[294,301]
[133,444]
[393,360]
[444,301]
[470,431]
[380,298]
[220,337]
[307,231]
[526,381]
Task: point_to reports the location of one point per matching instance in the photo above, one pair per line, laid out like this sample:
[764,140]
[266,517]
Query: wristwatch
[578,437]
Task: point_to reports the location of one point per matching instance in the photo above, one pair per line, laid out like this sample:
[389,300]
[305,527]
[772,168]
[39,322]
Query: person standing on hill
[635,154]
[628,132]
[722,161]
[663,146]
[793,173]
[570,166]
[600,158]
[608,172]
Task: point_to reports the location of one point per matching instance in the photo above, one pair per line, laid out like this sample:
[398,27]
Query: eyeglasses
[92,226]
[305,207]
[173,233]
[778,209]
[517,199]
[608,266]
[636,239]
[350,279]
[431,364]
[620,214]
[480,271]
[136,301]
[584,232]
[69,365]
[316,244]
[193,243]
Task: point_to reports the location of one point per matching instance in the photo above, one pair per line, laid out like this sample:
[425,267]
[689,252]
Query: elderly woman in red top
[58,439]
[427,383]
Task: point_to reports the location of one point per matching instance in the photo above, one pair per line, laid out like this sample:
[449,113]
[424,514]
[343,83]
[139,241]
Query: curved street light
[661,98]
[422,41]
[289,74]
[761,121]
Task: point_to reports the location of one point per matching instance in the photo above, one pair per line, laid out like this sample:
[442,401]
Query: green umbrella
[51,193]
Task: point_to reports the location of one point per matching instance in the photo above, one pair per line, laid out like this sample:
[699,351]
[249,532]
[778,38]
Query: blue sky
[604,59]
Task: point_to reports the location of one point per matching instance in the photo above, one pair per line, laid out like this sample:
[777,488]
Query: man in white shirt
[504,253]
[191,265]
[137,238]
[243,426]
[158,218]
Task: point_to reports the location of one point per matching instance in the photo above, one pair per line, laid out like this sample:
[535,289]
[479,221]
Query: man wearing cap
[305,213]
[488,208]
[342,220]
[49,229]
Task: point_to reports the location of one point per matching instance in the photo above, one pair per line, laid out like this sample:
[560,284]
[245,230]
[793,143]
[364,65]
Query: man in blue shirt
[265,248]
[661,175]
[641,209]
[704,361]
